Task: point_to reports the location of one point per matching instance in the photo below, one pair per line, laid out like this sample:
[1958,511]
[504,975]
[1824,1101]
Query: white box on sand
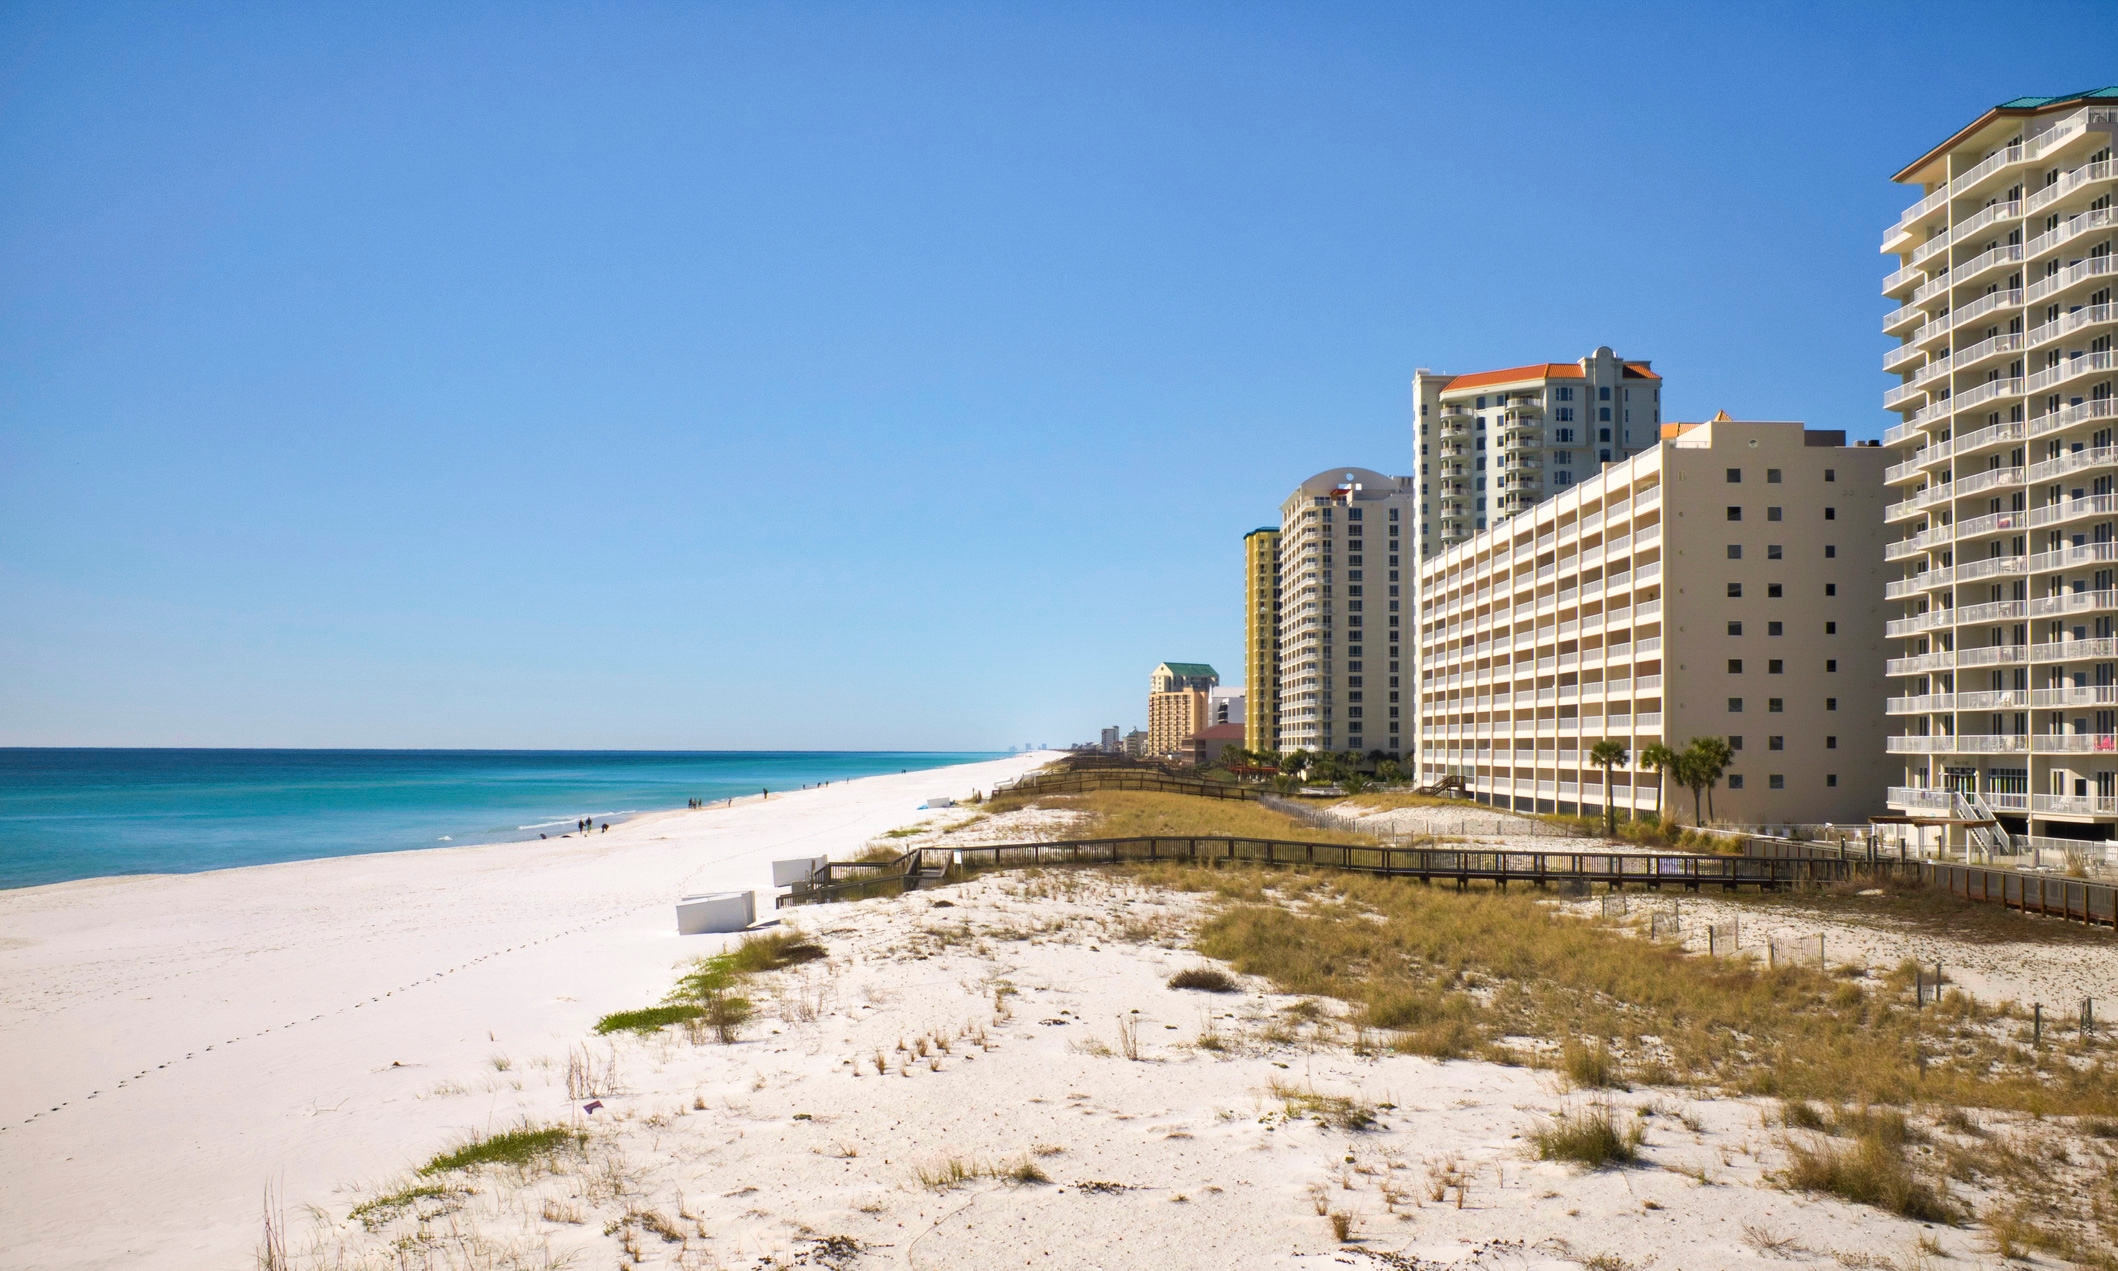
[716,911]
[798,870]
[937,803]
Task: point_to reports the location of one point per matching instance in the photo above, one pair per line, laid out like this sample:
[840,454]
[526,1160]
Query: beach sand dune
[173,1043]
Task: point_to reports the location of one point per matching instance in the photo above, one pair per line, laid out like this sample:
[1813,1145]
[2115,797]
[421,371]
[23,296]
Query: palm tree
[1710,758]
[1684,769]
[1388,770]
[1607,754]
[1660,758]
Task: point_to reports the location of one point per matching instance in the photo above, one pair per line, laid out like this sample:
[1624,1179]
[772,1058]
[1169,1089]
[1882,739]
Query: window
[1773,591]
[1772,476]
[1735,476]
[1735,514]
[1603,434]
[1831,589]
[1831,551]
[1772,514]
[1735,705]
[1566,414]
[1831,703]
[1735,591]
[1831,474]
[1831,628]
[1831,743]
[1831,779]
[1735,742]
[1831,664]
[1772,551]
[1566,394]
[1735,628]
[1603,413]
[1776,782]
[1831,514]
[1773,628]
[1735,551]
[1735,666]
[1774,705]
[1775,742]
[1775,666]
[1735,781]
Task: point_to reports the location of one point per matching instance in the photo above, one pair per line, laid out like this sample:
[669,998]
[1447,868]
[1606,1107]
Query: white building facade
[2004,519]
[1345,569]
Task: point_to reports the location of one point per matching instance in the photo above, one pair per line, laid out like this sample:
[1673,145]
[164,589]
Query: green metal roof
[1190,668]
[1263,529]
[2032,103]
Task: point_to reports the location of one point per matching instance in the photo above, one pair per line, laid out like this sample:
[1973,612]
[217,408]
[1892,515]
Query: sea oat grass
[524,1146]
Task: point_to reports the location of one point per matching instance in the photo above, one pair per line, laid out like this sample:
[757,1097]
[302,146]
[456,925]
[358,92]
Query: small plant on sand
[1341,1225]
[1206,979]
[1590,1067]
[1589,1137]
[652,1019]
[941,1176]
[1869,1171]
[1339,1111]
[429,1200]
[1024,1173]
[523,1147]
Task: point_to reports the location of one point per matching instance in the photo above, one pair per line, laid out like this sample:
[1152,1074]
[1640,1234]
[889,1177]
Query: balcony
[2072,276]
[2076,804]
[1990,390]
[2067,184]
[1913,215]
[1918,799]
[2001,257]
[2079,413]
[1900,320]
[1933,247]
[2000,160]
[2072,509]
[2074,650]
[1900,434]
[2073,602]
[1896,398]
[1971,744]
[2067,325]
[1909,276]
[2080,364]
[2083,695]
[1990,214]
[1984,305]
[2001,345]
[2075,557]
[2075,743]
[1895,359]
[2074,461]
[1921,663]
[1990,479]
[2073,227]
[1993,655]
[1524,408]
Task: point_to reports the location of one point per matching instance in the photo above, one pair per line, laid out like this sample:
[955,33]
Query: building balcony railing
[1992,346]
[1970,744]
[2073,602]
[1993,655]
[2077,804]
[2073,509]
[1918,799]
[2075,557]
[2074,650]
[1990,390]
[1896,398]
[2075,743]
[2001,257]
[1896,358]
[2067,184]
[1901,319]
[1913,215]
[2101,218]
[2082,364]
[2067,324]
[2088,457]
[1921,663]
[1979,308]
[2073,695]
[1946,703]
[2072,276]
[2071,416]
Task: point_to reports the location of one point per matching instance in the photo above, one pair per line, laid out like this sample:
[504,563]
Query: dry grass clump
[1340,1111]
[1589,1137]
[1591,1067]
[1868,1171]
[1206,979]
[1137,814]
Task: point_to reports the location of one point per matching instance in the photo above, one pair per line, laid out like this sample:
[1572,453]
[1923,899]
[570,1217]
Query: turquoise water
[68,814]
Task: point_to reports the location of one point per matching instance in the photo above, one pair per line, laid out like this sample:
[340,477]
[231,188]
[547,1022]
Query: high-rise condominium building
[1261,639]
[2004,512]
[1341,535]
[1725,582]
[1177,700]
[1495,443]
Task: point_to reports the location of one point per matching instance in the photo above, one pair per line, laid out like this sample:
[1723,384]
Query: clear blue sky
[849,376]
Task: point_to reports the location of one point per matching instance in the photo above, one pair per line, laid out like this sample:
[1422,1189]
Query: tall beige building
[1178,703]
[1261,639]
[1343,608]
[1724,582]
[2003,514]
[1493,444]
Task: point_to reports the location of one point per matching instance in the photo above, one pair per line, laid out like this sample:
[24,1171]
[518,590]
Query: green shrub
[522,1146]
[652,1019]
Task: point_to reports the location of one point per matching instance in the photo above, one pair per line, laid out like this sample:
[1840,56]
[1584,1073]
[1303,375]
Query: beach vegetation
[1590,1137]
[1870,1170]
[1140,814]
[652,1019]
[523,1147]
[1206,979]
[427,1200]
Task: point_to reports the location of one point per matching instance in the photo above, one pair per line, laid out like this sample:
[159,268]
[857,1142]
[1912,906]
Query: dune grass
[1138,814]
[523,1146]
[1590,1137]
[652,1019]
[705,1000]
[1205,979]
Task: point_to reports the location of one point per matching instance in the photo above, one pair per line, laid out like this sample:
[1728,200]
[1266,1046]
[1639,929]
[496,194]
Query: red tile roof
[1517,374]
[1639,371]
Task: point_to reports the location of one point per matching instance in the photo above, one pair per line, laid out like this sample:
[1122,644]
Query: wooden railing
[1767,864]
[1153,781]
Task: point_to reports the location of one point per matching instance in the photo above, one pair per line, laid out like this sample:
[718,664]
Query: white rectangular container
[798,870]
[716,912]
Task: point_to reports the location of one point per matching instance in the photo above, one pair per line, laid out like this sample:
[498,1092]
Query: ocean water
[68,814]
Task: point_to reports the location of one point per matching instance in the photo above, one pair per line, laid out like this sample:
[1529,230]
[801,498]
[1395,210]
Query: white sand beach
[172,1043]
[177,1045]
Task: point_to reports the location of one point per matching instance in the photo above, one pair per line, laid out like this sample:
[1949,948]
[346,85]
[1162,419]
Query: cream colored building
[1261,639]
[1493,444]
[1726,582]
[2004,522]
[1344,602]
[1172,716]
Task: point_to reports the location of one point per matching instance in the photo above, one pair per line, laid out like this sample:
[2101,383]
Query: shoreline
[363,831]
[290,1021]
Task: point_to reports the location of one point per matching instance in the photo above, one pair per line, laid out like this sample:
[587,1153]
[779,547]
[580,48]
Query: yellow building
[1173,716]
[1261,639]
